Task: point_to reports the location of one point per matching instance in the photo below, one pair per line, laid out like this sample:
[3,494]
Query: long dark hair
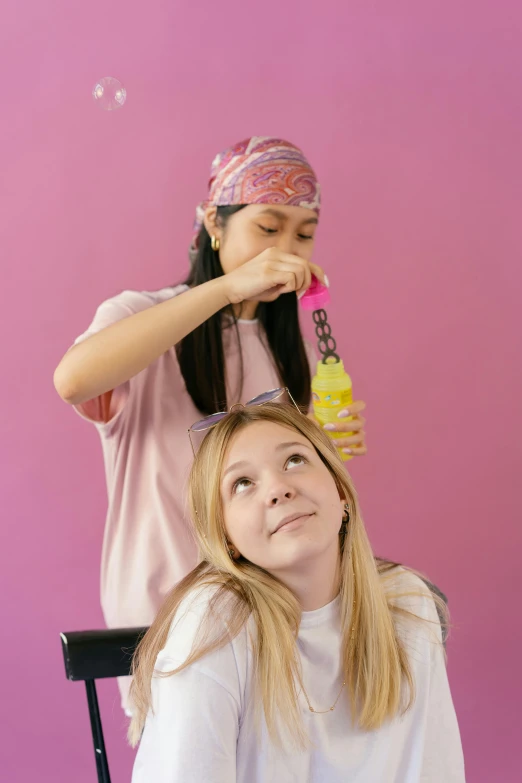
[205,377]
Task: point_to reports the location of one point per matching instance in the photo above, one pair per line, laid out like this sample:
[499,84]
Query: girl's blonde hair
[375,664]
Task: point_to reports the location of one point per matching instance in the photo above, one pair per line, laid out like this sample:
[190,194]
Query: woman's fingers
[347,426]
[282,280]
[296,275]
[308,269]
[352,410]
[355,441]
[307,281]
[352,440]
[356,451]
[318,272]
[270,274]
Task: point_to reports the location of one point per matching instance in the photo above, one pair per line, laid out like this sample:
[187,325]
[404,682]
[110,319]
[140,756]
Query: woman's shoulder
[401,577]
[125,304]
[135,301]
[414,596]
[206,617]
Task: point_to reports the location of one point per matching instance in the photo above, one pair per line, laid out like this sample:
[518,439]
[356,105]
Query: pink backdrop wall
[411,113]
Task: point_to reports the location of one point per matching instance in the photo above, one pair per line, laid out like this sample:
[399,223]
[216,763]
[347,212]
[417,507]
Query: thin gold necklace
[330,709]
[334,705]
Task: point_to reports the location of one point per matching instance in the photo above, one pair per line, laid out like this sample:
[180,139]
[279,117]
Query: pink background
[411,113]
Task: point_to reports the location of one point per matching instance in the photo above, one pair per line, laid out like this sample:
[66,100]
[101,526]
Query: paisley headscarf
[260,170]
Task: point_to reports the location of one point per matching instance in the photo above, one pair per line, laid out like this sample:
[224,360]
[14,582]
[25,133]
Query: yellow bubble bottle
[332,393]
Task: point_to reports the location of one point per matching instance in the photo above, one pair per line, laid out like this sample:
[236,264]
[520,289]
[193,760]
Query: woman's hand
[352,444]
[269,275]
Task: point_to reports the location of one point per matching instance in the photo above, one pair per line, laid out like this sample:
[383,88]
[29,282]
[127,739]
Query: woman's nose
[279,494]
[285,242]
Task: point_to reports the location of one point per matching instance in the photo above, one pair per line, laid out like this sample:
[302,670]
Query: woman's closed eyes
[266,230]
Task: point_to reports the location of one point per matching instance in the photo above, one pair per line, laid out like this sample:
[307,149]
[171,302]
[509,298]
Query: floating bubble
[109,93]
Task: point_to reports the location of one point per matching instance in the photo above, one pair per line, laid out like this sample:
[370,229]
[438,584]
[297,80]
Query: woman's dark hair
[205,378]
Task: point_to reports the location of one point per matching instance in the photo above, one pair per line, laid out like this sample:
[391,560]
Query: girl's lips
[291,522]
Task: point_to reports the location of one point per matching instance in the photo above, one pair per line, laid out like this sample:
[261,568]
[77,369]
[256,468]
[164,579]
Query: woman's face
[258,227]
[280,502]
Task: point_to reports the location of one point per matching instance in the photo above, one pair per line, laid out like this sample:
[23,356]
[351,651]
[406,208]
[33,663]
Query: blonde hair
[375,663]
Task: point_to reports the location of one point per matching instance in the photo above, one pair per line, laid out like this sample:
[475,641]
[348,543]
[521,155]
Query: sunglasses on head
[210,421]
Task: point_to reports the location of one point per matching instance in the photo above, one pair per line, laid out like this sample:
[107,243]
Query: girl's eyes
[242,484]
[274,231]
[239,485]
[296,457]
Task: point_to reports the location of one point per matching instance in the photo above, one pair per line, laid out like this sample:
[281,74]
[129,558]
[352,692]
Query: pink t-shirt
[148,545]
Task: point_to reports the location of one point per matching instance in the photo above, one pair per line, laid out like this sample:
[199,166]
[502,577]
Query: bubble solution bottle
[331,385]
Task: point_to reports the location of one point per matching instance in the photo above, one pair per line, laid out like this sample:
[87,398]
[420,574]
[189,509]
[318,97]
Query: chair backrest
[95,655]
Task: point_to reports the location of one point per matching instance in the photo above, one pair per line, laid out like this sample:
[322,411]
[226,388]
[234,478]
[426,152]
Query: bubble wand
[331,385]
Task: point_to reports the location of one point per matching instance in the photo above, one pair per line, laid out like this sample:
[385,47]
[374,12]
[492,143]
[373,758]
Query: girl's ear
[210,222]
[232,551]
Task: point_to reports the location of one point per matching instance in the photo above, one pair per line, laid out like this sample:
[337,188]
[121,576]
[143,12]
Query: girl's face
[281,505]
[258,227]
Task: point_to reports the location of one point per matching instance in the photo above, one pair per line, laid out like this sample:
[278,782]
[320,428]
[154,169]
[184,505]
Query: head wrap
[260,170]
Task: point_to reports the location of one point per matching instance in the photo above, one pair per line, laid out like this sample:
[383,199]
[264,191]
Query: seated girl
[290,654]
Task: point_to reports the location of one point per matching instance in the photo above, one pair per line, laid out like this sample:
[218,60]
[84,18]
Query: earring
[343,532]
[233,553]
[215,244]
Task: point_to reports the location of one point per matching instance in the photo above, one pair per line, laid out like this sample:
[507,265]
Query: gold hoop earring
[346,515]
[215,243]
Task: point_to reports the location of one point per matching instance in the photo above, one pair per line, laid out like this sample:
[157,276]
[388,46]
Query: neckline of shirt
[321,615]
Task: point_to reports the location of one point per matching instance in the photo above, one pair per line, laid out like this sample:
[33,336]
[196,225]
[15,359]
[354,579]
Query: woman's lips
[291,522]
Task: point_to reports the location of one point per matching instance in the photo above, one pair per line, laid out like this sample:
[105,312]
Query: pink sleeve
[107,407]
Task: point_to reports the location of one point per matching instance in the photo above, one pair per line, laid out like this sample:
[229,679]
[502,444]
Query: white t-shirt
[202,729]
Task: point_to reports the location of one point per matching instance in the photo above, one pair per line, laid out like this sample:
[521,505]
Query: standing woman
[151,363]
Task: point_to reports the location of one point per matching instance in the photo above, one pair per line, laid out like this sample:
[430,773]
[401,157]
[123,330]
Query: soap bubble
[109,93]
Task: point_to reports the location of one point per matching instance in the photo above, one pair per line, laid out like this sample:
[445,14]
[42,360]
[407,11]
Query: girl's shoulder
[201,649]
[400,579]
[414,597]
[206,616]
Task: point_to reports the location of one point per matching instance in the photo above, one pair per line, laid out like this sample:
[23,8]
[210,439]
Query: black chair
[95,655]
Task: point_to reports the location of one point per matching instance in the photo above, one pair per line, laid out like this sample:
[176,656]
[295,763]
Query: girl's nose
[279,494]
[286,243]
